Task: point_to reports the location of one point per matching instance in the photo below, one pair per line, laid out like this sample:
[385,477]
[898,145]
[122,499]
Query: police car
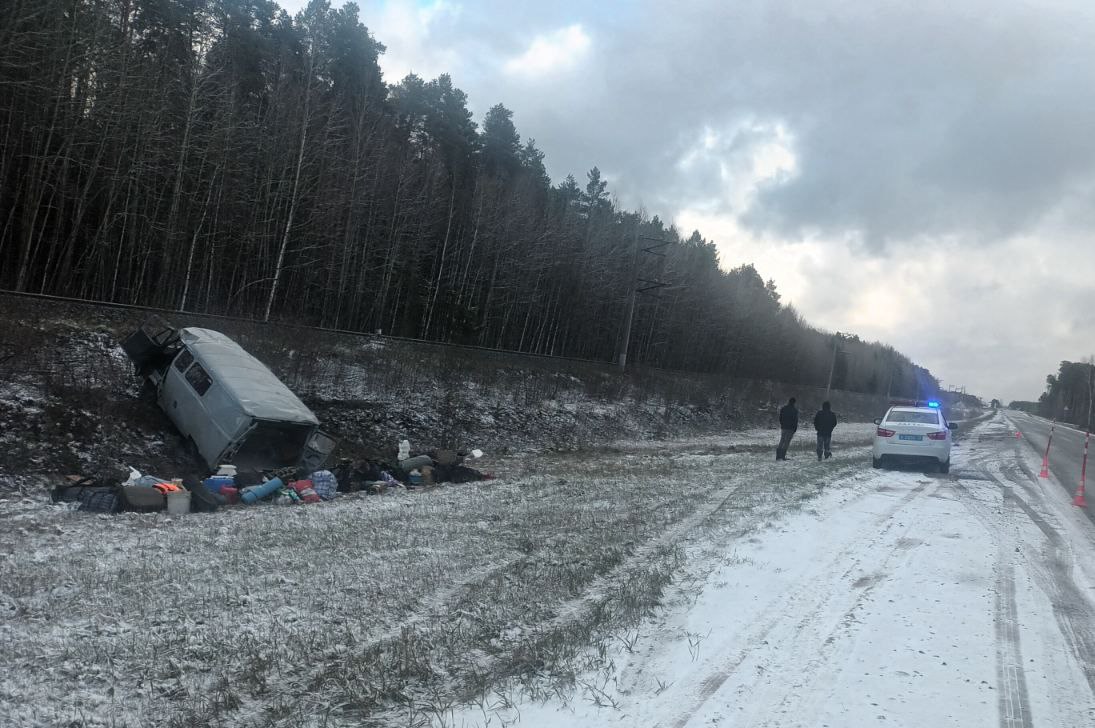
[914,433]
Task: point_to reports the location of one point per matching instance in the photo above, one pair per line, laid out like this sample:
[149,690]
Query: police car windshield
[923,418]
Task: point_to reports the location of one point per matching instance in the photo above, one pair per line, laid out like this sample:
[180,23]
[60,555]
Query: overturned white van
[233,408]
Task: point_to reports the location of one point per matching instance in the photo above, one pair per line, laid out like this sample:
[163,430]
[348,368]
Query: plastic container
[218,482]
[254,493]
[231,495]
[229,470]
[415,477]
[178,502]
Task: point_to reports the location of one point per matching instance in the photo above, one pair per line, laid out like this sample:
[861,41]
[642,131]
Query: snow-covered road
[895,599]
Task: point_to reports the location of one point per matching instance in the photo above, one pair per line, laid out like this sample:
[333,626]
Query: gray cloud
[936,128]
[909,119]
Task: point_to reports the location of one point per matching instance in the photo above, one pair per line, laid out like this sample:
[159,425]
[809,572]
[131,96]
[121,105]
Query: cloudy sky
[921,173]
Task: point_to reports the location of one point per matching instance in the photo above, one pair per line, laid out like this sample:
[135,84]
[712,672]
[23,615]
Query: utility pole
[631,303]
[889,387]
[832,366]
[650,285]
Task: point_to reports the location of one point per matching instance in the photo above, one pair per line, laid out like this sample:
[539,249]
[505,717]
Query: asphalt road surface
[1065,453]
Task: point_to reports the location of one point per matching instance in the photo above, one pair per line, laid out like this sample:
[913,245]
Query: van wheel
[945,467]
[876,463]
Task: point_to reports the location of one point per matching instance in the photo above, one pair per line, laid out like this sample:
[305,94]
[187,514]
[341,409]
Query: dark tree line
[222,156]
[1069,394]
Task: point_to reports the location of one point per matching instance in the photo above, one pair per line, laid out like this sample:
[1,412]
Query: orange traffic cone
[1045,468]
[1079,501]
[1018,435]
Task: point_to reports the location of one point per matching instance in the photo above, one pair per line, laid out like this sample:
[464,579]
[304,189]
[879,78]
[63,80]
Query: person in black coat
[788,423]
[825,423]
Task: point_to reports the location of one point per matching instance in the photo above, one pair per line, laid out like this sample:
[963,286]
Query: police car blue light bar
[933,403]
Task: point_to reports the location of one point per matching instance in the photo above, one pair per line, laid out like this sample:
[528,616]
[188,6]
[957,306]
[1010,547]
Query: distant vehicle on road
[914,434]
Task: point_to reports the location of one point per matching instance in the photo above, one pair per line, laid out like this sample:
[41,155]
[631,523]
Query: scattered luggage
[178,502]
[325,484]
[76,488]
[306,491]
[255,493]
[168,488]
[140,493]
[141,499]
[216,482]
[101,500]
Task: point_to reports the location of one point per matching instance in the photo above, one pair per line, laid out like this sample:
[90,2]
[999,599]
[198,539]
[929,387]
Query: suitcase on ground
[100,500]
[76,489]
[141,499]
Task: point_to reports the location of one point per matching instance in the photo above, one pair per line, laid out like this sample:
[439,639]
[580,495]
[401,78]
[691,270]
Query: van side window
[182,361]
[198,379]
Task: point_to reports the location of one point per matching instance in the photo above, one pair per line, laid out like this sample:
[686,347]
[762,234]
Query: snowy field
[689,583]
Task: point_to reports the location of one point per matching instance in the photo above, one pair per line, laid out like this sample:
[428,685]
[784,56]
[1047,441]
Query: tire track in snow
[1014,704]
[578,607]
[1072,609]
[710,685]
[820,669]
[1014,698]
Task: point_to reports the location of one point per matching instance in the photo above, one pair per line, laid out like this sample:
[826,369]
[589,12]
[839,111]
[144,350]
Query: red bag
[306,490]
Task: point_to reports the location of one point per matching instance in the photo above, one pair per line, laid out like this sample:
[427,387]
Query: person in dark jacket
[788,423]
[825,423]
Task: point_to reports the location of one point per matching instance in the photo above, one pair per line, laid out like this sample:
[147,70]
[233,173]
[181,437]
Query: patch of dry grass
[370,610]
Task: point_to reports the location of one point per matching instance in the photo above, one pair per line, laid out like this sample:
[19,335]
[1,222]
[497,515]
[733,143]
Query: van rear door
[319,448]
[152,346]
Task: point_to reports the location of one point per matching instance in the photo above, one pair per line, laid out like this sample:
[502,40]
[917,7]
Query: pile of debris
[150,493]
[430,468]
[229,486]
[259,441]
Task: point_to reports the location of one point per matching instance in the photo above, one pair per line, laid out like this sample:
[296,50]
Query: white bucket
[178,502]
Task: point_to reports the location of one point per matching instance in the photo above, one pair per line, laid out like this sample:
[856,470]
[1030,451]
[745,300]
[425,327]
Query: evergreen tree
[224,156]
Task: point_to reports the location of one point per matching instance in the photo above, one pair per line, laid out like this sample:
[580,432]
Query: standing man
[824,423]
[788,423]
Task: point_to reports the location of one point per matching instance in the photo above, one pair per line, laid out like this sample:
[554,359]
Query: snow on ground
[759,438]
[896,598]
[688,583]
[370,610]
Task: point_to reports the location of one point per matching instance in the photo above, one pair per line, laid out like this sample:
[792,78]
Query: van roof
[246,379]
